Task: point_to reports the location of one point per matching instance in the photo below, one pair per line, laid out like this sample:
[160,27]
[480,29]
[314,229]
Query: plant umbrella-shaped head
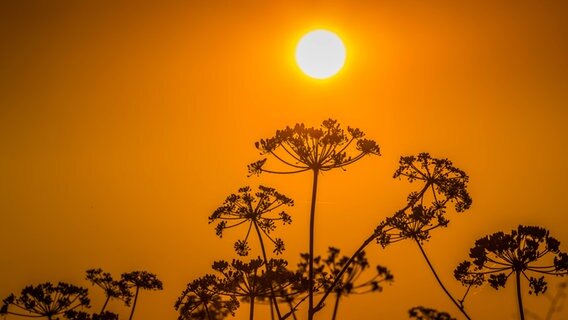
[112,288]
[423,313]
[143,280]
[442,183]
[81,315]
[350,283]
[202,300]
[46,300]
[320,149]
[256,210]
[495,257]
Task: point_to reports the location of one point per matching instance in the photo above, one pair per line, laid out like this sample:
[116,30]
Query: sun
[320,54]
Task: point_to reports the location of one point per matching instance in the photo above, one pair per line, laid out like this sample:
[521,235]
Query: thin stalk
[460,306]
[519,298]
[105,304]
[134,303]
[207,312]
[292,310]
[272,295]
[251,308]
[336,306]
[311,251]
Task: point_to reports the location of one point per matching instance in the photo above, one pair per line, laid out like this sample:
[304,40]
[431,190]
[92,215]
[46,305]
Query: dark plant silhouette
[423,313]
[327,270]
[441,183]
[46,300]
[140,280]
[494,258]
[81,315]
[300,149]
[253,281]
[113,289]
[259,211]
[202,300]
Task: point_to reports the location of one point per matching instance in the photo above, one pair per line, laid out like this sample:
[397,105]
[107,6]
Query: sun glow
[320,54]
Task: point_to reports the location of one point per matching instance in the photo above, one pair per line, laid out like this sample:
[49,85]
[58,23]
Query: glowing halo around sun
[320,54]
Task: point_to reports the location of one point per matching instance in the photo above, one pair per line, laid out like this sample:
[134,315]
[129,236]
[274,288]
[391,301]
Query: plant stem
[134,303]
[460,306]
[105,304]
[292,310]
[311,251]
[338,295]
[207,312]
[519,298]
[251,308]
[345,267]
[272,295]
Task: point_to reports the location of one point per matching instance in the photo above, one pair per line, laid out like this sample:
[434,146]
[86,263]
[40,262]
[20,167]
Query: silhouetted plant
[47,300]
[322,149]
[113,289]
[140,280]
[423,313]
[257,211]
[442,183]
[81,315]
[202,300]
[497,256]
[328,269]
[251,281]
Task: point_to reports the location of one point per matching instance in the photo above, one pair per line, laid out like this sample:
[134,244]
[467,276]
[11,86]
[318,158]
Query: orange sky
[124,125]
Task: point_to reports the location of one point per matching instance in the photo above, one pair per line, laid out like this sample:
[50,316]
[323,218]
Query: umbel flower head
[495,257]
[260,210]
[441,183]
[423,313]
[301,148]
[202,300]
[253,279]
[112,288]
[327,269]
[46,300]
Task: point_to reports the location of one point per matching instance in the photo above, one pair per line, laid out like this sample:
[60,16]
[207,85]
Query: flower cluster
[259,210]
[302,148]
[495,257]
[423,313]
[202,300]
[442,183]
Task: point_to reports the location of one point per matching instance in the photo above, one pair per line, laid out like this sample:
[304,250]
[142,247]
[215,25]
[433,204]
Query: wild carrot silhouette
[251,281]
[47,300]
[259,211]
[442,183]
[301,149]
[327,270]
[140,280]
[81,315]
[202,300]
[423,313]
[113,289]
[494,258]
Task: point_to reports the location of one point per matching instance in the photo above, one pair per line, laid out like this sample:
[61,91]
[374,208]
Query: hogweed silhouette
[423,313]
[259,211]
[113,289]
[494,258]
[47,300]
[300,149]
[202,299]
[327,270]
[140,280]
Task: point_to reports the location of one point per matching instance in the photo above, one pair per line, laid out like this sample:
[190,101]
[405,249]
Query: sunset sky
[124,124]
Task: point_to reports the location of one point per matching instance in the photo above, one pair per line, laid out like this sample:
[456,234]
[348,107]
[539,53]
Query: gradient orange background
[123,125]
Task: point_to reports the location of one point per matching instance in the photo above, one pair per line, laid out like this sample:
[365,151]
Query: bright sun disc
[320,54]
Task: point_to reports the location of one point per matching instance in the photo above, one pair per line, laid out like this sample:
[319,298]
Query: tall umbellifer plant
[259,212]
[113,289]
[203,299]
[496,257]
[299,149]
[140,280]
[441,184]
[47,301]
